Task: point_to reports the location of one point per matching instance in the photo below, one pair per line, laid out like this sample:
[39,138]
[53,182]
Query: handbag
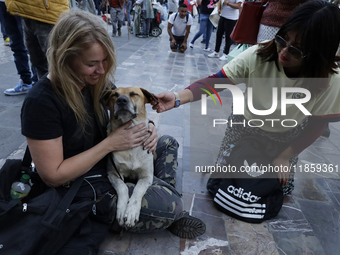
[237,51]
[252,193]
[247,26]
[214,17]
[40,223]
[194,10]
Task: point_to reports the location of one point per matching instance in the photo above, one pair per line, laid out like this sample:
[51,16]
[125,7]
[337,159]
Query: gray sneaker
[20,88]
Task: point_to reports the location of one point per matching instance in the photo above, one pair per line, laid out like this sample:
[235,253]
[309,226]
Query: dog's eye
[133,94]
[115,94]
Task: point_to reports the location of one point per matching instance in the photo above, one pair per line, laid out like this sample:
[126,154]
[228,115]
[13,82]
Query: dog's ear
[149,96]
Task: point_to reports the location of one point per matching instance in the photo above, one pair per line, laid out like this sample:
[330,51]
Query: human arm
[232,5]
[150,144]
[219,7]
[166,100]
[184,44]
[173,41]
[55,170]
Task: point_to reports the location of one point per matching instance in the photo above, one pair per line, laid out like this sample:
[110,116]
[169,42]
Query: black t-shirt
[45,115]
[207,6]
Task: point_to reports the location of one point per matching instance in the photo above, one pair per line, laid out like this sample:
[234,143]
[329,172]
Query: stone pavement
[309,220]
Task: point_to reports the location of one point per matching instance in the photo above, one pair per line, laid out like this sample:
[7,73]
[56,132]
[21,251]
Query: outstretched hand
[166,101]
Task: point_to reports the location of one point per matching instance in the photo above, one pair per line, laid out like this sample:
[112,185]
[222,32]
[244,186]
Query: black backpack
[252,196]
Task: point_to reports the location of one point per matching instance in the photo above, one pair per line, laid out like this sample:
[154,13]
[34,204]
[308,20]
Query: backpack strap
[187,16]
[175,16]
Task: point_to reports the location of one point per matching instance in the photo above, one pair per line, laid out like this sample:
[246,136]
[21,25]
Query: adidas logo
[247,196]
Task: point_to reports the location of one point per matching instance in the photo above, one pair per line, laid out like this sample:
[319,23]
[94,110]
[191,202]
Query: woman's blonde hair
[75,32]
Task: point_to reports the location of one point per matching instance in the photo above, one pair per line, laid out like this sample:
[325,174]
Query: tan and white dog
[127,104]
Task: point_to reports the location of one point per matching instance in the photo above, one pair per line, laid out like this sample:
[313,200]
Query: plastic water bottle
[21,188]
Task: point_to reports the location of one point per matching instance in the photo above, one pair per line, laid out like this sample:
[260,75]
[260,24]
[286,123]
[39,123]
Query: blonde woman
[64,120]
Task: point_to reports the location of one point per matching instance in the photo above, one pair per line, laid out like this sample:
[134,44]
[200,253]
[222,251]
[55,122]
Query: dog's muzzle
[124,106]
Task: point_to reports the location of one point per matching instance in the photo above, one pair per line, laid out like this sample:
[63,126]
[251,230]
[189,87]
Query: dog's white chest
[132,160]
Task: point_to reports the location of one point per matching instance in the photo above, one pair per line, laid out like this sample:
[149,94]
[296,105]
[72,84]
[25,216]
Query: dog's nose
[122,100]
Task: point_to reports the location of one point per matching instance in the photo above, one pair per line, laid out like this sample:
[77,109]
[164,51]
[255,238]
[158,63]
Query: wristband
[177,101]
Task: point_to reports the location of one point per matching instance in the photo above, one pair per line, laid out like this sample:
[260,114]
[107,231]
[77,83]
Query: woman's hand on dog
[124,138]
[151,143]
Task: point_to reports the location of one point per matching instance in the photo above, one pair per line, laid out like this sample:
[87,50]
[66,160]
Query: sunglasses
[282,43]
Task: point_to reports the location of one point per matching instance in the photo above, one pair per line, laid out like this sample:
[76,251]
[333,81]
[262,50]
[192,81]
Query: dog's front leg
[135,202]
[123,196]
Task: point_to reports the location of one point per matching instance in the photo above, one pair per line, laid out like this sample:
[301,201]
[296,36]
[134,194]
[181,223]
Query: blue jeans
[3,32]
[145,23]
[13,28]
[127,8]
[205,26]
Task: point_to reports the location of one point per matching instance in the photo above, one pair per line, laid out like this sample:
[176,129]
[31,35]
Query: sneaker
[207,49]
[119,32]
[113,34]
[7,41]
[213,55]
[203,41]
[187,227]
[191,45]
[20,88]
[224,57]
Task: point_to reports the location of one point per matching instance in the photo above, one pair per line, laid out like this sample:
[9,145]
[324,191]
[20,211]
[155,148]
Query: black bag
[254,195]
[40,224]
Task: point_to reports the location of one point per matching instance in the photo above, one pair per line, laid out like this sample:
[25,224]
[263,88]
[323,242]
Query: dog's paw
[120,215]
[132,213]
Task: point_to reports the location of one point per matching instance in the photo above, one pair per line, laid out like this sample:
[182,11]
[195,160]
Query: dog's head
[129,103]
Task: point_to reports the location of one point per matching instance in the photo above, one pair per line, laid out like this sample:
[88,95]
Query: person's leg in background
[219,37]
[209,32]
[228,28]
[4,35]
[203,26]
[144,20]
[13,28]
[97,5]
[120,17]
[114,19]
[36,39]
[129,4]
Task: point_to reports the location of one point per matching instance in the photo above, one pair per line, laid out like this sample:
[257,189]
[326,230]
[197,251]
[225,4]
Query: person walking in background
[12,26]
[229,12]
[274,16]
[117,15]
[207,6]
[38,19]
[146,16]
[179,28]
[127,10]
